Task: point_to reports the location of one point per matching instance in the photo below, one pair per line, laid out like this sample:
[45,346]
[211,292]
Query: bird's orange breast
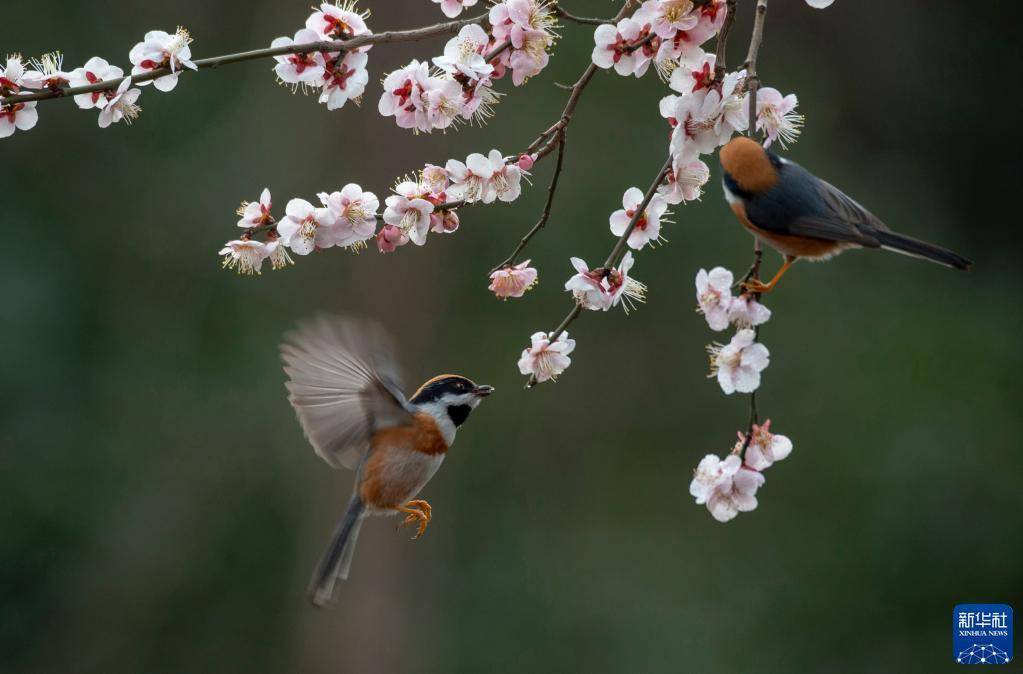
[401,460]
[789,244]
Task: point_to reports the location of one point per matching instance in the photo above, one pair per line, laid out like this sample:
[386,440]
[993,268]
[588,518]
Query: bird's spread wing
[840,218]
[344,384]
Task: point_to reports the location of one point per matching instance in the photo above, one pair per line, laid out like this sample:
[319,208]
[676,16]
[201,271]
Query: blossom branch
[616,252]
[752,78]
[721,48]
[546,214]
[386,37]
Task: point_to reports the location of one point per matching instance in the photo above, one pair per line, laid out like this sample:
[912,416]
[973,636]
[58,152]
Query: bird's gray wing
[839,218]
[344,384]
[804,205]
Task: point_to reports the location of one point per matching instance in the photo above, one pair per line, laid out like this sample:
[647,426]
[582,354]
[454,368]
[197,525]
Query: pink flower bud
[526,162]
[389,238]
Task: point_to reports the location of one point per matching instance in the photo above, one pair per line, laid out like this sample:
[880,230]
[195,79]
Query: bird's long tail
[337,559]
[928,251]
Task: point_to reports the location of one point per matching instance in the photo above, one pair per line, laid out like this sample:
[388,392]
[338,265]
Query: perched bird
[346,389]
[801,216]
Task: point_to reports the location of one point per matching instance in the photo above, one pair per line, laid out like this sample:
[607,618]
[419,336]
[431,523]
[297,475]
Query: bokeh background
[162,513]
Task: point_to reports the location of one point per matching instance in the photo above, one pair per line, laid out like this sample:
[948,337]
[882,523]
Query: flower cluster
[346,218]
[601,289]
[738,364]
[728,487]
[339,76]
[546,359]
[460,87]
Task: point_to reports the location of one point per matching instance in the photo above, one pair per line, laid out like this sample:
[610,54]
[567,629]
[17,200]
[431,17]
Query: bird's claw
[756,286]
[417,511]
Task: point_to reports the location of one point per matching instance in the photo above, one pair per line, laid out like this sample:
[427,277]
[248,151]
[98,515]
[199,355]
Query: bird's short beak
[483,391]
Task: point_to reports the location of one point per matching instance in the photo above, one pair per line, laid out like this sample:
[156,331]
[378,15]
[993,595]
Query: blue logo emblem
[982,634]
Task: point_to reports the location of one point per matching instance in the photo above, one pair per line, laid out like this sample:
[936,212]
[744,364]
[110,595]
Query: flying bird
[788,208]
[345,386]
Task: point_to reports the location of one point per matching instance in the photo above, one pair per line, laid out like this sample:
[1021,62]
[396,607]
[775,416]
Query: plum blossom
[513,280]
[305,227]
[740,496]
[305,70]
[95,70]
[256,214]
[160,49]
[746,312]
[409,211]
[546,360]
[623,288]
[612,48]
[442,101]
[47,73]
[726,487]
[471,181]
[12,74]
[120,105]
[444,222]
[246,256]
[589,287]
[338,22]
[648,226]
[453,8]
[738,364]
[764,447]
[505,180]
[668,17]
[684,182]
[20,116]
[697,128]
[389,238]
[345,79]
[464,54]
[435,179]
[529,25]
[354,213]
[714,296]
[777,116]
[403,96]
[693,72]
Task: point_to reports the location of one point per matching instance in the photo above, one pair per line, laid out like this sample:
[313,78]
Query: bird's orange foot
[757,286]
[416,511]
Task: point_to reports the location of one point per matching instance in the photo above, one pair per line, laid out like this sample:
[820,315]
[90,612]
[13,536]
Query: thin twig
[721,46]
[546,214]
[612,259]
[565,14]
[752,78]
[386,37]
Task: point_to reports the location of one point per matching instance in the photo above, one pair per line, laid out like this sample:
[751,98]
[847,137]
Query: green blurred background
[162,512]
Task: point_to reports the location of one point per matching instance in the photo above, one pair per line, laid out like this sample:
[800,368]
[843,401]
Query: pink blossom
[20,116]
[685,182]
[435,179]
[545,360]
[11,76]
[513,281]
[528,54]
[160,49]
[726,487]
[453,8]
[94,71]
[345,80]
[589,287]
[777,116]
[764,447]
[46,73]
[505,179]
[409,211]
[695,71]
[338,22]
[120,105]
[255,214]
[714,296]
[746,312]
[612,44]
[245,255]
[444,222]
[471,181]
[739,363]
[464,54]
[300,69]
[648,226]
[526,161]
[390,238]
[623,288]
[668,17]
[305,227]
[403,96]
[442,102]
[354,213]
